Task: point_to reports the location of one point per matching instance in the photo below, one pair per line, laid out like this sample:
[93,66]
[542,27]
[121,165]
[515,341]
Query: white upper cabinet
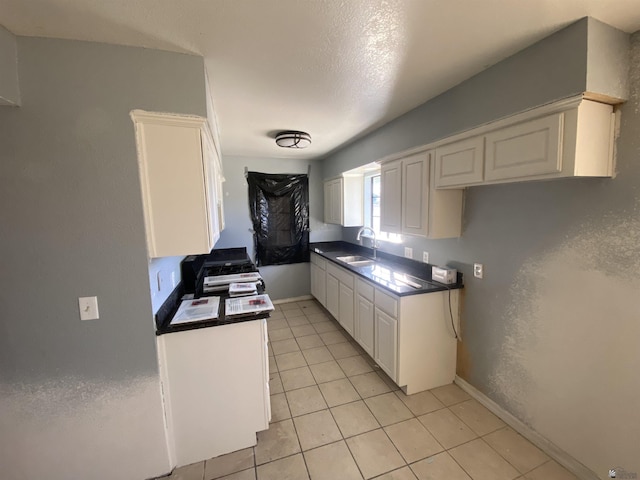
[180,181]
[391,197]
[460,163]
[523,150]
[409,203]
[415,194]
[572,138]
[212,185]
[343,201]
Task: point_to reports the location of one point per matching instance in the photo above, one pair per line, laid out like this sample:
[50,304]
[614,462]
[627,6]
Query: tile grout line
[343,439]
[301,451]
[363,400]
[507,460]
[394,391]
[345,442]
[385,432]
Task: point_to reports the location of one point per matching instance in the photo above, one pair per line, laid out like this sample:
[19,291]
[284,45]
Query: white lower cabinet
[333,295]
[410,337]
[426,346]
[345,306]
[340,296]
[318,279]
[212,409]
[386,343]
[364,324]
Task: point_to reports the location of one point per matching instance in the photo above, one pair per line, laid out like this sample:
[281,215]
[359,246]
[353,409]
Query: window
[374,221]
[372,207]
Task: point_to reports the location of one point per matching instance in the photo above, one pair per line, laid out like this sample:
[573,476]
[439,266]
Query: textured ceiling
[334,68]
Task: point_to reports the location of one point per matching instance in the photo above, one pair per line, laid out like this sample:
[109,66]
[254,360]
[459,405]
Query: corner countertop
[386,268]
[170,306]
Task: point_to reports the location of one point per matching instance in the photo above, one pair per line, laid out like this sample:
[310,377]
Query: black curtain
[279,206]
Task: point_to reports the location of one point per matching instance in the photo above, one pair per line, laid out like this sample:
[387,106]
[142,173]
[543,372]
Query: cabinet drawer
[365,289]
[319,261]
[341,274]
[386,303]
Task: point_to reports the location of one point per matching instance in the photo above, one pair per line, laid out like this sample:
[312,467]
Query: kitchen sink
[356,260]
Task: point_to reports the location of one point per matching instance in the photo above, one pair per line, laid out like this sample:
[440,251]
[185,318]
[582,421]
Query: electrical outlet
[88,308]
[408,252]
[478,270]
[425,257]
[173,279]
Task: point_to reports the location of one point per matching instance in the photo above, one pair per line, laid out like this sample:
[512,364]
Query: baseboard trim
[555,452]
[293,299]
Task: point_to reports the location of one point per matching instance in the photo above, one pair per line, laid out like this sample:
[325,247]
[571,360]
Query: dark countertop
[170,306]
[386,265]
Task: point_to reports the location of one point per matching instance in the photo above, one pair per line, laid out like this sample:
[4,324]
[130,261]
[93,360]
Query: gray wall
[554,68]
[551,332]
[608,60]
[9,91]
[81,399]
[282,281]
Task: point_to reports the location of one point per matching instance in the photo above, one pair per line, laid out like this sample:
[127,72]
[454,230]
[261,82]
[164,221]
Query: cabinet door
[391,197]
[333,296]
[352,200]
[327,202]
[364,324]
[460,163]
[314,287]
[173,183]
[333,201]
[318,285]
[528,149]
[346,316]
[386,342]
[242,407]
[336,201]
[415,194]
[220,193]
[210,161]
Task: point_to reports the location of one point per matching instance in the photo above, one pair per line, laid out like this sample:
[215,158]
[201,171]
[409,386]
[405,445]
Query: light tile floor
[337,416]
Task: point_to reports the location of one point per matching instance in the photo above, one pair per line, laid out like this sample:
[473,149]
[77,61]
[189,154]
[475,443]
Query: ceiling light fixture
[293,139]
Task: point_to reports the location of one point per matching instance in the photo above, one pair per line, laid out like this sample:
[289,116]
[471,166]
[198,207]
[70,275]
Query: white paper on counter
[196,310]
[245,305]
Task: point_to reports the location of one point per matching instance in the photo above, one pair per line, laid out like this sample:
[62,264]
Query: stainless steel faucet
[374,242]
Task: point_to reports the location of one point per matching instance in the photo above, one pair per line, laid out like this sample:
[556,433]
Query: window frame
[368,209]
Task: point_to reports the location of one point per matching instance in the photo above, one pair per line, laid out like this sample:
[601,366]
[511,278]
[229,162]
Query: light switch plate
[425,257]
[88,308]
[408,252]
